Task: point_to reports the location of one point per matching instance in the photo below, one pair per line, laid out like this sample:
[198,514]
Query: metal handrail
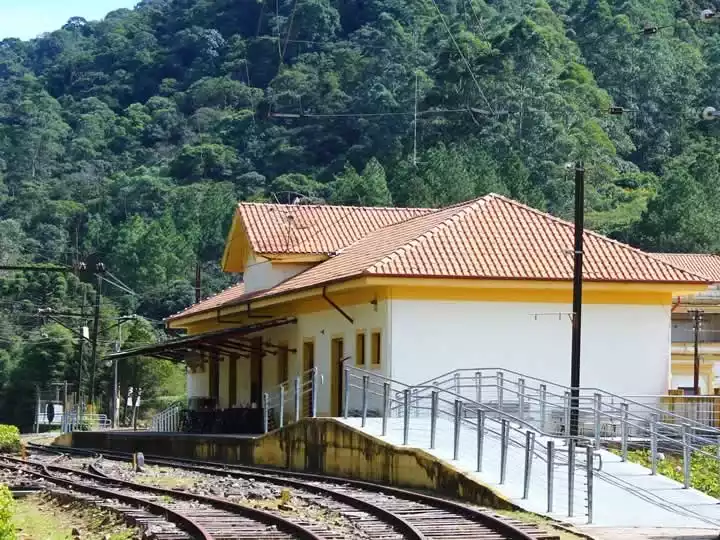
[448,377]
[508,433]
[292,392]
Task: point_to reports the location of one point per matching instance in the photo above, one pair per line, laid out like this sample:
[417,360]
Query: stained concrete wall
[321,445]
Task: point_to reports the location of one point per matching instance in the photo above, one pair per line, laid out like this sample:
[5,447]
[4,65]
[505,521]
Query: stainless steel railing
[292,400]
[167,420]
[368,394]
[608,419]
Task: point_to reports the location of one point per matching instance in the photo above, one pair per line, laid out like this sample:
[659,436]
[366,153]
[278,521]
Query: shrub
[704,468]
[7,529]
[9,438]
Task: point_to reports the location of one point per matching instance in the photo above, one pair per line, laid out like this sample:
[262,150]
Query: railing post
[456,378]
[266,411]
[480,438]
[282,405]
[566,427]
[686,455]
[386,402]
[346,391]
[500,388]
[406,416]
[365,383]
[571,476]
[624,431]
[597,404]
[433,417]
[416,402]
[478,386]
[297,399]
[653,444]
[504,441]
[529,449]
[590,477]
[543,405]
[550,474]
[521,398]
[458,425]
[313,393]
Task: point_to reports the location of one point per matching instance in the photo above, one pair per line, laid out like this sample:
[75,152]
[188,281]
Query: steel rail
[255,514]
[270,475]
[183,522]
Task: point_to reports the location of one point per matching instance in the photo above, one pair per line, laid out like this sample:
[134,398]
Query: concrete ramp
[625,494]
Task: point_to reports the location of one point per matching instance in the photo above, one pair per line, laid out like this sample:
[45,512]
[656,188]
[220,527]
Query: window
[375,349]
[360,349]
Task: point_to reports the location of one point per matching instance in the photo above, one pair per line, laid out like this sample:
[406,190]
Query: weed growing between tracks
[541,521]
[47,518]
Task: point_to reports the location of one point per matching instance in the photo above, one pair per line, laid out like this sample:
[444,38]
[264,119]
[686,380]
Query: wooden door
[256,371]
[308,364]
[282,365]
[337,351]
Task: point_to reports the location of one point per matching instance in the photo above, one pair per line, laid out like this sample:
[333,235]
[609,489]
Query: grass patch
[704,468]
[42,517]
[540,521]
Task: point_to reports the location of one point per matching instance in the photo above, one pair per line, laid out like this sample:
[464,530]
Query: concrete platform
[625,494]
[323,445]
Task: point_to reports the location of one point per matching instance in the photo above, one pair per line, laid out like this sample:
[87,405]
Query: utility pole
[577,298]
[198,283]
[697,321]
[99,270]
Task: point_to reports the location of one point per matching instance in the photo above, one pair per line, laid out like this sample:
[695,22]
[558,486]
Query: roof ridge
[254,203]
[462,210]
[594,234]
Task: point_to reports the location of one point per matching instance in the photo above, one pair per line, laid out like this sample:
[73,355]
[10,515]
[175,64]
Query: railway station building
[415,293]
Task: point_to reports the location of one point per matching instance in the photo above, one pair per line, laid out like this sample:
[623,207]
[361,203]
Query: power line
[465,60]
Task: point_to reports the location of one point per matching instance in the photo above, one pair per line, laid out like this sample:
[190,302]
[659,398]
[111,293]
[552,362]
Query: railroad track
[194,516]
[381,512]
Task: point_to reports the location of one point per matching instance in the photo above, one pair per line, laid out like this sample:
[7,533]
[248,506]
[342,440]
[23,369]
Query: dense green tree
[129,140]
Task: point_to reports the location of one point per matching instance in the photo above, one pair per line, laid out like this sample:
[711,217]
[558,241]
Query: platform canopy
[229,341]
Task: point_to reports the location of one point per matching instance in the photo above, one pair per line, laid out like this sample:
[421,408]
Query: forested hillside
[128,140]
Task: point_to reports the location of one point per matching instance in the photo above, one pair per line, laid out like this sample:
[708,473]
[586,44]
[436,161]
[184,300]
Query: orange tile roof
[315,229]
[489,238]
[492,238]
[705,264]
[233,294]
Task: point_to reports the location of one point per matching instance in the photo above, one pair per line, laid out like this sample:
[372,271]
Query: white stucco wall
[326,325]
[262,274]
[625,348]
[197,384]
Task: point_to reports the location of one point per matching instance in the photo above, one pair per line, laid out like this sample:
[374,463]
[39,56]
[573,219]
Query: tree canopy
[128,140]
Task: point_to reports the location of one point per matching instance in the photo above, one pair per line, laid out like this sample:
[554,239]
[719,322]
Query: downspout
[334,305]
[675,306]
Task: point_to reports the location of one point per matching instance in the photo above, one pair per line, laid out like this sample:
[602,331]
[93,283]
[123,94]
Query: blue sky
[26,19]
